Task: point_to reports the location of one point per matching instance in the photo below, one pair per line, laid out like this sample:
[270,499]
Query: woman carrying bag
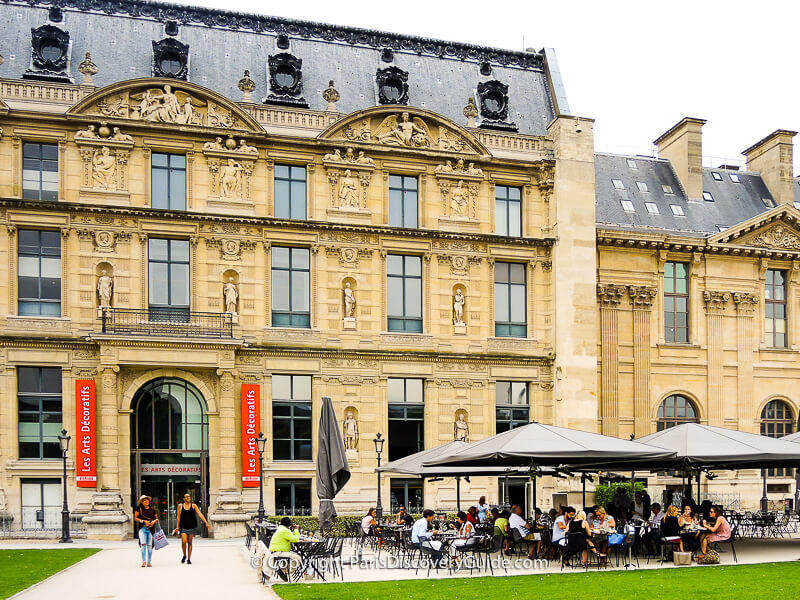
[188,512]
[146,519]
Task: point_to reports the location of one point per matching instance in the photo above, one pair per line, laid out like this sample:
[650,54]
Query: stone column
[642,298]
[609,296]
[745,335]
[715,309]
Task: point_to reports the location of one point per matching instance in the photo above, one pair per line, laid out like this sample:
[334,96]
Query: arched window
[777,421]
[674,410]
[169,414]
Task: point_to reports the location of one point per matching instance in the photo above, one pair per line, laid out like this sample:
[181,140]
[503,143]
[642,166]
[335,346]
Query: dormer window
[49,55]
[170,59]
[493,105]
[392,85]
[286,80]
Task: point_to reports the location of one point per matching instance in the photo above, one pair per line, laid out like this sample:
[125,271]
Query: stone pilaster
[642,298]
[609,296]
[745,335]
[715,316]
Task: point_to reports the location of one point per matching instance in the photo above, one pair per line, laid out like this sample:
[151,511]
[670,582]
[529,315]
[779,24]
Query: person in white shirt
[420,536]
[559,530]
[655,525]
[368,523]
[466,531]
[515,521]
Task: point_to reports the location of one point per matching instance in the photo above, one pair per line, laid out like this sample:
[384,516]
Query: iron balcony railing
[166,322]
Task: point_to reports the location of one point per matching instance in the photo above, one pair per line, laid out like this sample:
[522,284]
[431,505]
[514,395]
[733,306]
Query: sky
[637,68]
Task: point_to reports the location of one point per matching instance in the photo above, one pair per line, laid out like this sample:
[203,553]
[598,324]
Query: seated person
[516,521]
[280,546]
[718,529]
[420,536]
[493,514]
[560,528]
[472,515]
[689,539]
[368,524]
[403,518]
[655,523]
[466,533]
[580,536]
[501,528]
[603,522]
[670,526]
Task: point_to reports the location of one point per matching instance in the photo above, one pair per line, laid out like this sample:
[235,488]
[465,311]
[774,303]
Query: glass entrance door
[167,492]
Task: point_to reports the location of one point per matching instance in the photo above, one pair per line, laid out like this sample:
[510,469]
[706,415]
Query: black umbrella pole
[583,480]
[458,494]
[533,508]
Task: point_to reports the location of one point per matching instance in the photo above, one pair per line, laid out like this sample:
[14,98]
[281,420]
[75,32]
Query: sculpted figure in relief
[364,160]
[86,134]
[461,429]
[231,295]
[105,287]
[215,145]
[350,431]
[458,307]
[459,200]
[349,302]
[243,148]
[348,191]
[447,167]
[229,179]
[120,137]
[103,168]
[335,157]
[404,132]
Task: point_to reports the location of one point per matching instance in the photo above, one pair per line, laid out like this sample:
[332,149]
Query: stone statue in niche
[230,177]
[458,307]
[349,302]
[231,294]
[105,287]
[461,429]
[348,191]
[350,431]
[104,168]
[404,132]
[459,200]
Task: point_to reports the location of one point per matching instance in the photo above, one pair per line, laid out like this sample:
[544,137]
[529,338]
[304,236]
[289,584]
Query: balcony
[166,322]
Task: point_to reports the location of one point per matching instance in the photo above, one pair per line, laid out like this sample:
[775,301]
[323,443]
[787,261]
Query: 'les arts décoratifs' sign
[86,426]
[251,417]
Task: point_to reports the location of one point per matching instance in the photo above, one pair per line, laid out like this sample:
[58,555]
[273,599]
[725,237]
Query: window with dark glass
[40,419]
[404,293]
[293,497]
[406,417]
[290,192]
[291,417]
[511,405]
[403,201]
[39,171]
[169,414]
[676,302]
[675,410]
[508,210]
[39,273]
[407,493]
[291,287]
[168,181]
[777,421]
[509,300]
[168,282]
[775,308]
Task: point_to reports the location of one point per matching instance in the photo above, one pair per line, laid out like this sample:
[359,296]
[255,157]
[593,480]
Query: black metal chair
[493,545]
[730,541]
[250,535]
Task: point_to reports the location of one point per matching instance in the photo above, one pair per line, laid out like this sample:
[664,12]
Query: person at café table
[717,530]
[670,526]
[640,507]
[466,531]
[516,521]
[580,538]
[603,522]
[655,523]
[472,515]
[687,521]
[403,518]
[483,509]
[560,528]
[280,546]
[368,524]
[420,536]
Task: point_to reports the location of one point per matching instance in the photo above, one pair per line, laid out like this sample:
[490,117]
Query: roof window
[797,204]
[627,206]
[667,189]
[652,208]
[768,202]
[721,227]
[677,210]
[642,186]
[708,197]
[632,164]
[734,177]
[618,185]
[716,176]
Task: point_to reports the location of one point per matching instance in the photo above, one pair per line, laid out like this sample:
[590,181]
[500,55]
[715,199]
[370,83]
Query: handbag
[682,558]
[709,558]
[616,539]
[159,538]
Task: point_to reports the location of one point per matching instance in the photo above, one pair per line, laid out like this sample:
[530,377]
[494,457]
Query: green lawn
[20,569]
[771,580]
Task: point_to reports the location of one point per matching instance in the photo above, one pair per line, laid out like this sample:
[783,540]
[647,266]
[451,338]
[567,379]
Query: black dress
[670,527]
[576,538]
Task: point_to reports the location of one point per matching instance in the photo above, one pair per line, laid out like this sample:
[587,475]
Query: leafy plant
[604,493]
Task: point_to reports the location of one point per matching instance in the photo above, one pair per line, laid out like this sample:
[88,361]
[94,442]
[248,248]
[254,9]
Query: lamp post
[378,450]
[63,442]
[261,445]
[764,497]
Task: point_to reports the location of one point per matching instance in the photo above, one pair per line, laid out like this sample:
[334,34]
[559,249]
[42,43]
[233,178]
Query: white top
[366,523]
[558,533]
[482,510]
[419,531]
[518,523]
[658,518]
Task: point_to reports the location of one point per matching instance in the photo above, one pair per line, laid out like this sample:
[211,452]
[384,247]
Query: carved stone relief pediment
[778,236]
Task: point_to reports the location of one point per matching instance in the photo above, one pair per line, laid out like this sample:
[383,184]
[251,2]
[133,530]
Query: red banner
[86,426]
[251,419]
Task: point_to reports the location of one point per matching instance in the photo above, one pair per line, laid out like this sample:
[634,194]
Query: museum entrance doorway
[169,440]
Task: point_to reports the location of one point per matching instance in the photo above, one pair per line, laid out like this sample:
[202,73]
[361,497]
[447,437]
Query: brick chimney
[682,145]
[772,157]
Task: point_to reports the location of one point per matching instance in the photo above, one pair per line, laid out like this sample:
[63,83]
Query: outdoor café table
[306,549]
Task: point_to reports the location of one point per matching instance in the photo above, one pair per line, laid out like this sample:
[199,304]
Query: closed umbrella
[333,471]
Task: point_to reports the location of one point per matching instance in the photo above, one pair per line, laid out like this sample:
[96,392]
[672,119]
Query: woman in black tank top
[188,526]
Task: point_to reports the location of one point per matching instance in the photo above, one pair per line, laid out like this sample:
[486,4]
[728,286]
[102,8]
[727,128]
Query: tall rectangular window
[293,497]
[39,171]
[403,201]
[169,279]
[39,273]
[406,417]
[291,287]
[509,300]
[168,181]
[508,210]
[290,192]
[291,417]
[511,405]
[39,400]
[676,303]
[407,493]
[404,293]
[41,503]
[775,308]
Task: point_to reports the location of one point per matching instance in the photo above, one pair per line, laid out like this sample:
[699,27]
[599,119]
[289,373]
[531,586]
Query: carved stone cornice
[745,302]
[610,294]
[715,300]
[642,296]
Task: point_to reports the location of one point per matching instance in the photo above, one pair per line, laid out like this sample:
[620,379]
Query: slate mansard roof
[442,75]
[729,202]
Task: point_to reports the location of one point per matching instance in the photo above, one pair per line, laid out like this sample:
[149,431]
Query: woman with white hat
[146,519]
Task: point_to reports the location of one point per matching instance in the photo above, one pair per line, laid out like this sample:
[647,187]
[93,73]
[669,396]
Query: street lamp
[63,442]
[261,445]
[378,450]
[764,497]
